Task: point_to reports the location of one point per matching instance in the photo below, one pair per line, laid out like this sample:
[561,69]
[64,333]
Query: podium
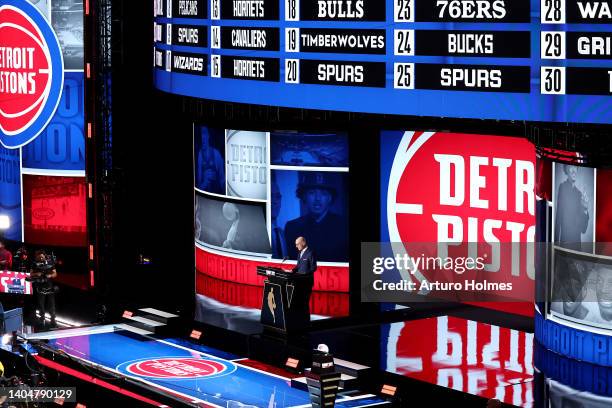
[284,306]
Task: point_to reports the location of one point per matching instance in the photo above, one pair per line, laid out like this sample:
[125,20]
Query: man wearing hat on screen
[572,211]
[325,231]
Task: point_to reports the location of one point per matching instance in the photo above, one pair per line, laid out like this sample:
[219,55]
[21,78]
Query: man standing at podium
[306,265]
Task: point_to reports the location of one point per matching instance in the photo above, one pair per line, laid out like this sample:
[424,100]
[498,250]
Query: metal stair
[146,321]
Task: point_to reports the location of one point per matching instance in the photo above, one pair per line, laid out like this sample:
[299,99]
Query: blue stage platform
[196,374]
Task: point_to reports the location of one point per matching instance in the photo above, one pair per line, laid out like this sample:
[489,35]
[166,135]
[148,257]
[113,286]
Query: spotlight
[388,390]
[6,339]
[294,365]
[195,334]
[5,222]
[62,321]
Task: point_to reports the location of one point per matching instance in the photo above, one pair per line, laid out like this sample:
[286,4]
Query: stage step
[134,322]
[350,368]
[159,313]
[146,321]
[151,320]
[133,329]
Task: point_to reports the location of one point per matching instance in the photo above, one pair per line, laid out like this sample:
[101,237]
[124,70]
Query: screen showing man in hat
[325,230]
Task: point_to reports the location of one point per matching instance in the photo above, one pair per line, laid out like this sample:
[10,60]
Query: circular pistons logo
[31,72]
[177,368]
[44,214]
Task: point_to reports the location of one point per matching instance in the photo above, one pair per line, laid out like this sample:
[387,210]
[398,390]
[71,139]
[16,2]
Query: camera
[42,265]
[47,264]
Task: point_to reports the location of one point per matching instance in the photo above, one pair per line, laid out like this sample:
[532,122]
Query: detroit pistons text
[248,164]
[10,172]
[451,229]
[14,80]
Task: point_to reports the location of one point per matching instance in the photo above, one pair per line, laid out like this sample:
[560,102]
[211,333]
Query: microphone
[284,259]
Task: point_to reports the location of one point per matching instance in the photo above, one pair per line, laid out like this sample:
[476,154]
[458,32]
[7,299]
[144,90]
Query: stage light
[388,390]
[6,339]
[63,321]
[5,222]
[127,314]
[195,334]
[292,363]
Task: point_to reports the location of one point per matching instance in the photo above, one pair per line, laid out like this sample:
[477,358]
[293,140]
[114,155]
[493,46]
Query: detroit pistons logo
[31,73]
[177,368]
[455,189]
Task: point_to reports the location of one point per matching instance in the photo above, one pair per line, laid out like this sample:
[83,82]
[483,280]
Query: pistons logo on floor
[177,368]
[31,72]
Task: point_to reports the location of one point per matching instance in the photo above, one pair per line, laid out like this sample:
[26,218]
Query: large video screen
[491,59]
[42,182]
[256,192]
[454,192]
[578,270]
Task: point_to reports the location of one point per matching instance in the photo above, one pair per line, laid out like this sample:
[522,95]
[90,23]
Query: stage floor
[465,355]
[194,373]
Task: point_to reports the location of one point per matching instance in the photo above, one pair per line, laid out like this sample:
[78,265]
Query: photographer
[42,272]
[21,260]
[6,258]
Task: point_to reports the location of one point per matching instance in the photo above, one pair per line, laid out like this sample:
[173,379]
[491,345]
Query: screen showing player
[256,192]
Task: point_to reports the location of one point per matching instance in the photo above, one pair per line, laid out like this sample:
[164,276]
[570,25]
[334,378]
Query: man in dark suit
[306,265]
[572,218]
